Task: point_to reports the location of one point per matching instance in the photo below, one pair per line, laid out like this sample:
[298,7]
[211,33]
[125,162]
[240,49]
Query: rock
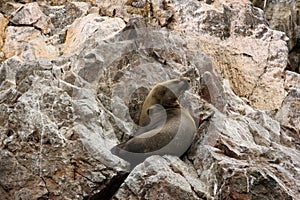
[226,18]
[3,25]
[269,65]
[48,133]
[212,91]
[88,26]
[284,16]
[222,162]
[157,12]
[292,81]
[113,8]
[289,113]
[64,15]
[20,178]
[161,178]
[27,43]
[233,46]
[8,7]
[234,103]
[294,58]
[8,72]
[31,14]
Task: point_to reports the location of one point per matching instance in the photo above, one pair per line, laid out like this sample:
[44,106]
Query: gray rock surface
[285,16]
[165,177]
[72,83]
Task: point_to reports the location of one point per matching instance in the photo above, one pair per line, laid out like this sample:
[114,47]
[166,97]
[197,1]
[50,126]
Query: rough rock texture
[247,52]
[285,16]
[31,14]
[91,24]
[3,24]
[162,178]
[73,78]
[27,43]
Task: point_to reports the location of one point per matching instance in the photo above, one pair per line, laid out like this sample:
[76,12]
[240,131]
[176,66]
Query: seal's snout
[187,80]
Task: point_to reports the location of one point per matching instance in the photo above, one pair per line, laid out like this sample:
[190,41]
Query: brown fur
[165,94]
[170,130]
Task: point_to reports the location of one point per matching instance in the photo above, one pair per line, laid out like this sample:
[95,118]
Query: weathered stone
[294,58]
[88,26]
[227,167]
[113,8]
[31,14]
[232,48]
[16,181]
[8,7]
[289,114]
[3,25]
[8,72]
[64,15]
[284,16]
[42,124]
[212,91]
[157,12]
[161,178]
[27,43]
[292,81]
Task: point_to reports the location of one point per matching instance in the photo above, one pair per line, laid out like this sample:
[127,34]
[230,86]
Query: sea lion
[165,94]
[171,128]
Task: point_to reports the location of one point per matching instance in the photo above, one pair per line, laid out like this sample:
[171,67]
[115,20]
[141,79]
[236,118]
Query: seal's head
[165,94]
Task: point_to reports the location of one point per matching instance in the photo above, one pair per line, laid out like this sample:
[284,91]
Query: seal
[170,129]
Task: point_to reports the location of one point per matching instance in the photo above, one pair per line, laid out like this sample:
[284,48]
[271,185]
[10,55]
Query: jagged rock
[17,180]
[236,37]
[294,58]
[212,91]
[222,19]
[88,26]
[284,16]
[289,113]
[61,113]
[238,158]
[31,14]
[8,72]
[27,43]
[292,81]
[46,134]
[156,12]
[8,7]
[64,15]
[3,25]
[162,178]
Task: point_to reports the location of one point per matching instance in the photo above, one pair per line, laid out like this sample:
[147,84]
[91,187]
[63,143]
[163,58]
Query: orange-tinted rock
[27,43]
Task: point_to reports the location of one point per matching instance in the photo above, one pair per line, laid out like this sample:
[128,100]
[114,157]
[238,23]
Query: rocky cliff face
[74,75]
[285,16]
